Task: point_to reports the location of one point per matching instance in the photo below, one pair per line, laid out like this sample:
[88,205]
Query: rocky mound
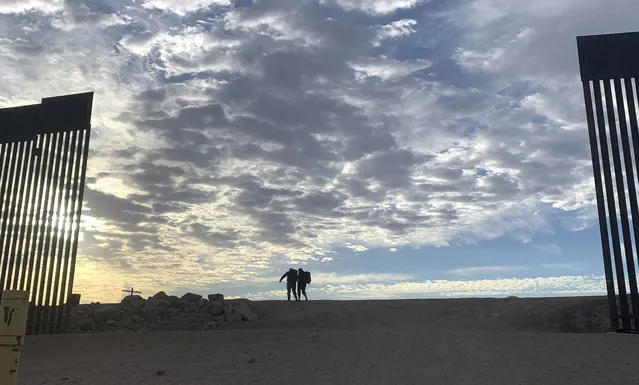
[162,312]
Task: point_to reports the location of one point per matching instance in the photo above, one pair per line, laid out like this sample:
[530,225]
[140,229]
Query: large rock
[155,306]
[243,306]
[216,297]
[112,324]
[239,310]
[191,298]
[161,312]
[174,301]
[102,315]
[160,295]
[82,323]
[215,308]
[133,301]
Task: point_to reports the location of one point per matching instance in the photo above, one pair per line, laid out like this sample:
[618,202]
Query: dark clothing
[290,286]
[302,277]
[291,276]
[301,289]
[291,281]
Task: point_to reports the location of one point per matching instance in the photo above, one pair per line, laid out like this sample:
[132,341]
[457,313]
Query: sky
[395,149]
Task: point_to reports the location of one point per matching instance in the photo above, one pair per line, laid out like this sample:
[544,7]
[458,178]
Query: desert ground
[444,341]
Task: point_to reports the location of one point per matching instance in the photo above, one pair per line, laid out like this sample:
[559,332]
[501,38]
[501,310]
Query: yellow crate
[11,340]
[9,361]
[14,309]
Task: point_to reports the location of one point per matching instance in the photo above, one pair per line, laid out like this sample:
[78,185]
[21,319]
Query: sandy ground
[360,342]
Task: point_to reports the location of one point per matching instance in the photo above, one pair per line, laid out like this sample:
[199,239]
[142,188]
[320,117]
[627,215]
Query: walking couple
[296,279]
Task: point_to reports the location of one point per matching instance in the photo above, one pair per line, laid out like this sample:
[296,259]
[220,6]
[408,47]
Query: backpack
[308,276]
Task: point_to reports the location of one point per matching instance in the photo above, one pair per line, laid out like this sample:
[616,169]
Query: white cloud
[522,287]
[341,278]
[358,248]
[20,6]
[483,270]
[385,68]
[397,29]
[483,61]
[182,7]
[565,266]
[375,6]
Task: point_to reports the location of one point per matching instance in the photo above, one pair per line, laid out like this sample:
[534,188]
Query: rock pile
[161,312]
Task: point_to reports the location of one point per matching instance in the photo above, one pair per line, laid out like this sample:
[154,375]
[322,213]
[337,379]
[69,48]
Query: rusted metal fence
[609,72]
[43,161]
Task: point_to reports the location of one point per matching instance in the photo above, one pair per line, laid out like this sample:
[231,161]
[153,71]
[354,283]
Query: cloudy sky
[395,148]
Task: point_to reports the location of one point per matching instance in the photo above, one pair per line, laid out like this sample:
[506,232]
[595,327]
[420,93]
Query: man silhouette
[291,280]
[301,284]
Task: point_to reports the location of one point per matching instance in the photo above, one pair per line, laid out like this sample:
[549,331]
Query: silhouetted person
[291,280]
[303,278]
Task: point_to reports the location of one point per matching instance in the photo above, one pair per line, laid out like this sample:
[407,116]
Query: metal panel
[609,66]
[43,161]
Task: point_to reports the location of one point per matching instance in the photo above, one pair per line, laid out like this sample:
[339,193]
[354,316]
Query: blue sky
[396,149]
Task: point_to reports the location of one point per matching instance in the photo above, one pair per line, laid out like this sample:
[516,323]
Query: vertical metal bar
[27,204]
[2,156]
[8,214]
[77,151]
[15,215]
[45,234]
[4,203]
[612,212]
[621,195]
[601,208]
[4,148]
[34,257]
[74,249]
[65,186]
[632,197]
[632,114]
[32,222]
[55,216]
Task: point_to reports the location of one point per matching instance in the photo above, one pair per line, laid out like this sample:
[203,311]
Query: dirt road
[456,342]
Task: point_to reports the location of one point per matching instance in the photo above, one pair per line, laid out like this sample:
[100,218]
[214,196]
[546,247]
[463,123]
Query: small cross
[131,292]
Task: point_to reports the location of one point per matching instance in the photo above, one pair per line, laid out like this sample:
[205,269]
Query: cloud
[523,287]
[488,270]
[358,248]
[21,6]
[397,29]
[374,6]
[386,69]
[566,266]
[183,7]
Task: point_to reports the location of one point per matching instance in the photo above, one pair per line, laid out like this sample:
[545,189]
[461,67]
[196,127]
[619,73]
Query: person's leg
[304,292]
[288,290]
[295,290]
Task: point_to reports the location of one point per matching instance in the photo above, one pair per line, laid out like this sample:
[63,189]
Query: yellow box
[14,309]
[9,361]
[11,340]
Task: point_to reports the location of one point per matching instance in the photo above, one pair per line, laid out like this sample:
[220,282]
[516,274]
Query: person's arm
[283,277]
